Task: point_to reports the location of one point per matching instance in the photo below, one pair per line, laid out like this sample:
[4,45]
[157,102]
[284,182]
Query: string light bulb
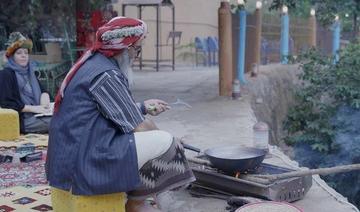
[241,2]
[285,9]
[258,5]
[312,12]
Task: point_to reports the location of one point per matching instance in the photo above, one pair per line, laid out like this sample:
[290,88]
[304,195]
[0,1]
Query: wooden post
[173,38]
[313,29]
[157,36]
[250,53]
[141,58]
[284,43]
[258,25]
[225,50]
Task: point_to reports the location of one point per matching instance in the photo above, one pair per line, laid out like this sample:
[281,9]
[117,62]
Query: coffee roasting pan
[232,159]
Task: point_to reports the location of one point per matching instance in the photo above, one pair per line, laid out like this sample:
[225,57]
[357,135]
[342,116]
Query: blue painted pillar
[241,47]
[284,42]
[336,40]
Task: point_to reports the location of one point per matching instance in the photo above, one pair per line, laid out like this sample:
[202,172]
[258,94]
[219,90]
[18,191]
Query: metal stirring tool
[180,102]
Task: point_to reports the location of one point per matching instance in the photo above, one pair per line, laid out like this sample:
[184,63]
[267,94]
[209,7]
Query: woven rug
[25,198]
[37,139]
[17,174]
[32,173]
[23,186]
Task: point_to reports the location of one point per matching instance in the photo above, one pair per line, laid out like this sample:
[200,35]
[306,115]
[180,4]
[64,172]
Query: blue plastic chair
[201,48]
[213,49]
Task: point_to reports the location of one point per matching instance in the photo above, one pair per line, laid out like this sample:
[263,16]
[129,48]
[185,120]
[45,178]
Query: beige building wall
[192,17]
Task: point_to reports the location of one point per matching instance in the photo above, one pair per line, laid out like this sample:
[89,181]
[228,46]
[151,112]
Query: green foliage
[326,10]
[97,4]
[28,16]
[326,86]
[235,6]
[187,53]
[19,12]
[291,4]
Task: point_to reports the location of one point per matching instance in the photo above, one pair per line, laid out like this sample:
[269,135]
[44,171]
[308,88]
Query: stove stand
[288,190]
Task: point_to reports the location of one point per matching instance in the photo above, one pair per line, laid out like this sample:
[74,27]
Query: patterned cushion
[9,124]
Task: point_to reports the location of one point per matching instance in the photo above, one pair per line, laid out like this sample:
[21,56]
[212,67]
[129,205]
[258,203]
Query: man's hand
[155,106]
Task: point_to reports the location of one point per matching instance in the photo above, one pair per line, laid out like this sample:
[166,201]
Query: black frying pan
[233,159]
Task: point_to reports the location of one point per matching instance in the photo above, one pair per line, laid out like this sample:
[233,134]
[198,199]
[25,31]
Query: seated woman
[20,89]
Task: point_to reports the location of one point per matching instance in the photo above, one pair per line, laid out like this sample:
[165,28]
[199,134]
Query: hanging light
[285,9]
[347,15]
[336,17]
[312,12]
[258,5]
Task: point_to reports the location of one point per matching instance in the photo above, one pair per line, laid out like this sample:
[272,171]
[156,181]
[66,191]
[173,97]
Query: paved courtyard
[213,121]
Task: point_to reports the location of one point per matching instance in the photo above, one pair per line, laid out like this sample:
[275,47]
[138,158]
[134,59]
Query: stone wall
[272,94]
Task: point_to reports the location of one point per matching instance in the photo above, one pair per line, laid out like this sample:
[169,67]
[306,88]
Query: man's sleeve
[115,102]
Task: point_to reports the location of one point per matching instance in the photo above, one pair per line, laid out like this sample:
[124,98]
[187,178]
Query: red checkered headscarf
[118,34]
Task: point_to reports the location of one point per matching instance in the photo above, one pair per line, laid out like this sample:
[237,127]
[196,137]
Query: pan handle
[192,148]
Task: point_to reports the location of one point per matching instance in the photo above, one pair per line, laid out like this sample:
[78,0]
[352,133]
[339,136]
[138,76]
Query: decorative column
[284,42]
[313,28]
[258,25]
[336,39]
[225,46]
[157,37]
[140,17]
[242,43]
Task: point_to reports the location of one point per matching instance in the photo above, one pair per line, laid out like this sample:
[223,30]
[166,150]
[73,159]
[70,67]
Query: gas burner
[247,184]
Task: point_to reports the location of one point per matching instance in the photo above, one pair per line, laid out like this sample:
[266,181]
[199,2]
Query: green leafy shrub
[188,53]
[326,86]
[324,124]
